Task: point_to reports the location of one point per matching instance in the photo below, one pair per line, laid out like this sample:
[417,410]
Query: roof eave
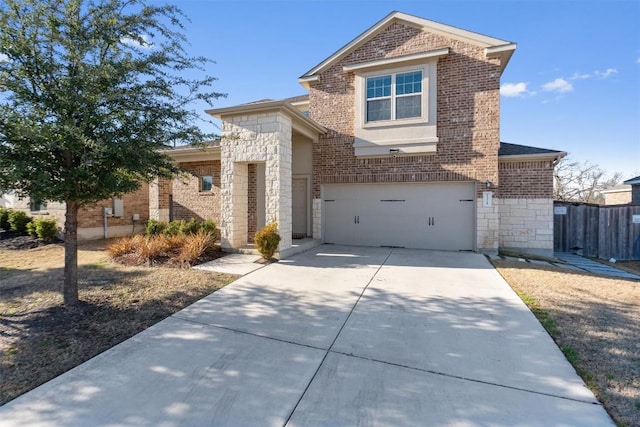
[469,36]
[504,52]
[268,106]
[536,156]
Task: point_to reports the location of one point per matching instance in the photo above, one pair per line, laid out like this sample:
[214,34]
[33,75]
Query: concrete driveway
[337,336]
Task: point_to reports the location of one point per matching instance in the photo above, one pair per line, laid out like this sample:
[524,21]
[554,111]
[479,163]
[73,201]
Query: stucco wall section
[263,137]
[617,198]
[527,224]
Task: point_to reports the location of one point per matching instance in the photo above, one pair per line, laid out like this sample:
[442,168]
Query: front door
[299,207]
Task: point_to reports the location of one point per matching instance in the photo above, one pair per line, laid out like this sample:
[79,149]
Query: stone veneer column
[159,199]
[317,218]
[255,138]
[488,226]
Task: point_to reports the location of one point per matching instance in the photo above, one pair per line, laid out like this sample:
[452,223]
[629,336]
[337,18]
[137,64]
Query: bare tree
[582,182]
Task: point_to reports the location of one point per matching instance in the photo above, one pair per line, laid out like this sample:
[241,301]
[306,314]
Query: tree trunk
[71,254]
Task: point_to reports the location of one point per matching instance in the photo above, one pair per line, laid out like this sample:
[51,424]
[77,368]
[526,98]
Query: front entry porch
[266,172]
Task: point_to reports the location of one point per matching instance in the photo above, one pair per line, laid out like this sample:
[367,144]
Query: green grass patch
[542,315]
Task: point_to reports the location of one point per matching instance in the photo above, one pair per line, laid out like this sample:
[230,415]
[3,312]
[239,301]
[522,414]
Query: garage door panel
[426,216]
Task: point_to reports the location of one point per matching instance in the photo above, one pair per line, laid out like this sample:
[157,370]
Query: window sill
[395,123]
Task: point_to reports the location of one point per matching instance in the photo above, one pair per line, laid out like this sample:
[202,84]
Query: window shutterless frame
[206,183]
[394,96]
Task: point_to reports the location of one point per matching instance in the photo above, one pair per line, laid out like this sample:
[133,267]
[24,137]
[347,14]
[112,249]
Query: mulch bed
[17,241]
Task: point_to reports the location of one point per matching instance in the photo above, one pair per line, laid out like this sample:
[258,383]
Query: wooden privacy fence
[597,231]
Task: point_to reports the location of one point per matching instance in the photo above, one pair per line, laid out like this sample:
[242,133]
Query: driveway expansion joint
[329,350]
[247,333]
[458,377]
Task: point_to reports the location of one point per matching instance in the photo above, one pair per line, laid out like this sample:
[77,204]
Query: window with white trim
[394,96]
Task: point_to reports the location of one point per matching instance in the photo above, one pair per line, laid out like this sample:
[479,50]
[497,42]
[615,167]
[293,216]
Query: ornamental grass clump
[267,240]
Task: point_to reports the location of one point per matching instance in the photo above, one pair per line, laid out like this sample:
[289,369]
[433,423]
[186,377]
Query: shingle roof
[298,98]
[635,180]
[508,149]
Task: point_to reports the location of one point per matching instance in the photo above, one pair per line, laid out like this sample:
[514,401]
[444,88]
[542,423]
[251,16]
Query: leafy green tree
[90,91]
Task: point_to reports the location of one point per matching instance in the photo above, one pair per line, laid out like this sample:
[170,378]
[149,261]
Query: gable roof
[633,181]
[508,150]
[493,47]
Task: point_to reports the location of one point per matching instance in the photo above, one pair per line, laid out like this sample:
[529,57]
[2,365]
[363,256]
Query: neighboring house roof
[620,188]
[208,150]
[514,151]
[493,47]
[633,181]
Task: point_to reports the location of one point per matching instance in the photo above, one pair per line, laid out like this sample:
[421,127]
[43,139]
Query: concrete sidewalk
[336,336]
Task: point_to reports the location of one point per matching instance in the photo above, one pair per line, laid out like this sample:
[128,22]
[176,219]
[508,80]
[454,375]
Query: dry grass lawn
[595,320]
[40,339]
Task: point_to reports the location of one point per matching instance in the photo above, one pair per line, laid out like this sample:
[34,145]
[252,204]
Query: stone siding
[253,138]
[487,226]
[527,225]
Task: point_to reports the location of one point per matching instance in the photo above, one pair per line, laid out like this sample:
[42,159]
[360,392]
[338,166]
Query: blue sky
[573,83]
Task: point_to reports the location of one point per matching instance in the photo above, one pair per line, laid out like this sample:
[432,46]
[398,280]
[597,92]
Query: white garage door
[422,216]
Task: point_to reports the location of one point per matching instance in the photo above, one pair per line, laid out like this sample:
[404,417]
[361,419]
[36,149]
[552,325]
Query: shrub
[123,246]
[31,228]
[18,221]
[46,228]
[191,227]
[209,226]
[174,228]
[4,218]
[154,227]
[267,240]
[195,246]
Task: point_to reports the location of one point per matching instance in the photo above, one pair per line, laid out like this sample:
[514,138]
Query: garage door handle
[356,219]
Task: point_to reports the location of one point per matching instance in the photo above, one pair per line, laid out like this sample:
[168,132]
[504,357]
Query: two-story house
[397,143]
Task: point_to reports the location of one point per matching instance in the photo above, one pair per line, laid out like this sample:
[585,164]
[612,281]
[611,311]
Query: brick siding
[527,180]
[188,201]
[467,108]
[252,202]
[136,202]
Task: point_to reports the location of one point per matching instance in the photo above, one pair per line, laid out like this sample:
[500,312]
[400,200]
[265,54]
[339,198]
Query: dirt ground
[40,338]
[595,320]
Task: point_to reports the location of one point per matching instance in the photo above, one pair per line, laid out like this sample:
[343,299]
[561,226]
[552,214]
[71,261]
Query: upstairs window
[394,96]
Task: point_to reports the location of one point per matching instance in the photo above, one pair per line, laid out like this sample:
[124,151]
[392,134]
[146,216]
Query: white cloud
[606,73]
[558,85]
[515,89]
[579,76]
[145,44]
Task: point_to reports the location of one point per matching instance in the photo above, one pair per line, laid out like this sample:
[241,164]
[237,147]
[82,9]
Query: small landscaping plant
[154,227]
[43,228]
[267,240]
[18,221]
[177,242]
[4,218]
